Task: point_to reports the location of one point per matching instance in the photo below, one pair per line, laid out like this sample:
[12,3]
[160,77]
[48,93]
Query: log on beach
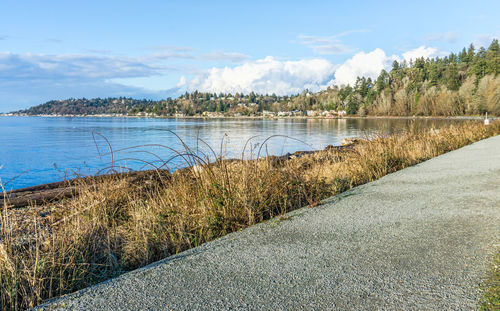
[57,191]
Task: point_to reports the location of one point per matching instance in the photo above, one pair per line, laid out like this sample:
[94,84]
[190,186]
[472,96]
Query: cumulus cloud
[425,52]
[448,37]
[363,65]
[270,75]
[267,75]
[182,82]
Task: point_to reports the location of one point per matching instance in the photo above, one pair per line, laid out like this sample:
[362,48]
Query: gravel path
[418,239]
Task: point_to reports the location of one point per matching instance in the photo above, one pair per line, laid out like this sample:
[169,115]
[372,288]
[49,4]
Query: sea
[39,150]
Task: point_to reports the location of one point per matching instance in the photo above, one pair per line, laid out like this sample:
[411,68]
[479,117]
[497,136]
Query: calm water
[36,150]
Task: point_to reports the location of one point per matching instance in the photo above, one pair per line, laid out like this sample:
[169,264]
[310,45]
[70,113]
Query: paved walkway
[417,239]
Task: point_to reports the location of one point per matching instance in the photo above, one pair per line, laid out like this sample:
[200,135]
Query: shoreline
[474,117]
[58,190]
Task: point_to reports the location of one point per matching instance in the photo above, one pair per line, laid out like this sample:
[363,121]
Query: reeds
[116,224]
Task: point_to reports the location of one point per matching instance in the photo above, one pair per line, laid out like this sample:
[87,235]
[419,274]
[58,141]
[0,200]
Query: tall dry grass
[115,224]
[429,100]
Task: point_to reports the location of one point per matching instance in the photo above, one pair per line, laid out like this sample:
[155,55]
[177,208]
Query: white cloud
[363,65]
[448,37]
[270,75]
[267,75]
[182,82]
[27,66]
[484,40]
[425,52]
[73,66]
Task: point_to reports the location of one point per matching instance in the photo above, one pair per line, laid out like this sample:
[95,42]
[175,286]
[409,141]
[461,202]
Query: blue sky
[155,49]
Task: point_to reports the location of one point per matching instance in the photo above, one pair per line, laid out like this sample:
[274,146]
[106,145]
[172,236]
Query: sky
[159,49]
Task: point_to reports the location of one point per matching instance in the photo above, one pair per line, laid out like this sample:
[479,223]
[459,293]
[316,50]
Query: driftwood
[25,198]
[56,191]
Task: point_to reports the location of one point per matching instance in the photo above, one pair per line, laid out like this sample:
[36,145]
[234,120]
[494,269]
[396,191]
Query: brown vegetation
[114,224]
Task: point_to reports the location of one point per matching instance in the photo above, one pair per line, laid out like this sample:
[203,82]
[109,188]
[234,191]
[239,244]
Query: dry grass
[115,225]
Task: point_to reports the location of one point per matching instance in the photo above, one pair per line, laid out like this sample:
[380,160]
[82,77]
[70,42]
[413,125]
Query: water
[37,150]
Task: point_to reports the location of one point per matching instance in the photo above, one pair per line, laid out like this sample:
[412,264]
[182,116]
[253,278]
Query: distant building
[284,113]
[266,113]
[329,113]
[296,112]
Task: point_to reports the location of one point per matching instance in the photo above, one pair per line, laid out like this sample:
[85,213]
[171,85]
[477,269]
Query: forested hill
[465,83]
[85,106]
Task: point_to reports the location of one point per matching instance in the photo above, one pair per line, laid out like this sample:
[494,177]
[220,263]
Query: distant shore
[246,117]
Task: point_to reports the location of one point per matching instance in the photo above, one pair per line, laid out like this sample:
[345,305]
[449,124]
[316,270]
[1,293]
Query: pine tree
[493,58]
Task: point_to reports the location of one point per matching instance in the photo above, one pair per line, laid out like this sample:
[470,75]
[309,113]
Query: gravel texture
[419,239]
